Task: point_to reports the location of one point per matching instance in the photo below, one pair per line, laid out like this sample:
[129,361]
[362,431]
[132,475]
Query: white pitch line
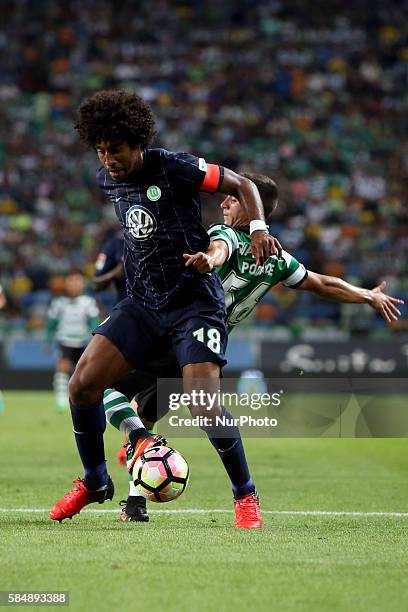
[221,511]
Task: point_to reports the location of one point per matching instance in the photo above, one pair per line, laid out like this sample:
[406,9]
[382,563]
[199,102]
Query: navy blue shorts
[195,331]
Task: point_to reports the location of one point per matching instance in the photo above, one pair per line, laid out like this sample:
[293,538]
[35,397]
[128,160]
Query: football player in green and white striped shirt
[243,281]
[71,319]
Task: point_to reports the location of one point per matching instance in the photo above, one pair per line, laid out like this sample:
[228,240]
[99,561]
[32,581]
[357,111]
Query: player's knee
[83,390]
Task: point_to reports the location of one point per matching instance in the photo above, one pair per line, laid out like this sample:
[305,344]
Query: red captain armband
[212,179]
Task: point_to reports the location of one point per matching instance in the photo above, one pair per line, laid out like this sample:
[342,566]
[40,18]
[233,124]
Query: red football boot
[121,455]
[78,497]
[142,446]
[248,512]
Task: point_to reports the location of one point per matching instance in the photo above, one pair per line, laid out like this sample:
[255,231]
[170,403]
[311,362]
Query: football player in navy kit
[156,198]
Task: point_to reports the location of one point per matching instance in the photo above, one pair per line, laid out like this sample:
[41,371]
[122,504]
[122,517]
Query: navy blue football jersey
[159,209]
[108,258]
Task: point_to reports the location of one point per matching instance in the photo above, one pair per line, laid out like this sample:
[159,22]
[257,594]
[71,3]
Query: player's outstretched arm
[263,244]
[333,288]
[216,255]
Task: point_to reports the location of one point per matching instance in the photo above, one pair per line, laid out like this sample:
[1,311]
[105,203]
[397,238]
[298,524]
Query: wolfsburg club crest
[154,193]
[140,222]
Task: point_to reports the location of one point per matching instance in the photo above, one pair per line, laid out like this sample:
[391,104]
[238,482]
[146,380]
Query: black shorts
[195,331]
[70,353]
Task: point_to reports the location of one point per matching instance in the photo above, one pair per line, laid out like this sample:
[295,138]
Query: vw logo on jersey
[140,222]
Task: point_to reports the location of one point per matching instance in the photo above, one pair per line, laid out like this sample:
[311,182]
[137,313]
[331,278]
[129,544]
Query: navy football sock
[89,426]
[231,452]
[96,477]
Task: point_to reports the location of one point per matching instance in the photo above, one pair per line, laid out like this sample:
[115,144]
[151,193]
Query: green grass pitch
[193,561]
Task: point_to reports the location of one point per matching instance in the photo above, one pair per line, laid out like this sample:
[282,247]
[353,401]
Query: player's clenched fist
[264,245]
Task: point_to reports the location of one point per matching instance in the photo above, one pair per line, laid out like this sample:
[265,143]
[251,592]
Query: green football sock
[119,413]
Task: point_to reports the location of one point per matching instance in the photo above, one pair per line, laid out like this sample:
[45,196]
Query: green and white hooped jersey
[74,319]
[244,282]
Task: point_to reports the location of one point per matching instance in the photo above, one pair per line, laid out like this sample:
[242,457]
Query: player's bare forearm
[339,290]
[104,280]
[334,288]
[216,255]
[263,244]
[217,252]
[245,191]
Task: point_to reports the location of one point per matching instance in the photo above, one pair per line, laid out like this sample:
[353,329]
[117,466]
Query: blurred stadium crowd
[312,93]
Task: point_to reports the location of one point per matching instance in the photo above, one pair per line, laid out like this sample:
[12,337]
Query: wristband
[256,225]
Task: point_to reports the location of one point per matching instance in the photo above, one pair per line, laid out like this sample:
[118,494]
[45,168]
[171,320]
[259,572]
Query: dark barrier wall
[24,380]
[276,359]
[352,358]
